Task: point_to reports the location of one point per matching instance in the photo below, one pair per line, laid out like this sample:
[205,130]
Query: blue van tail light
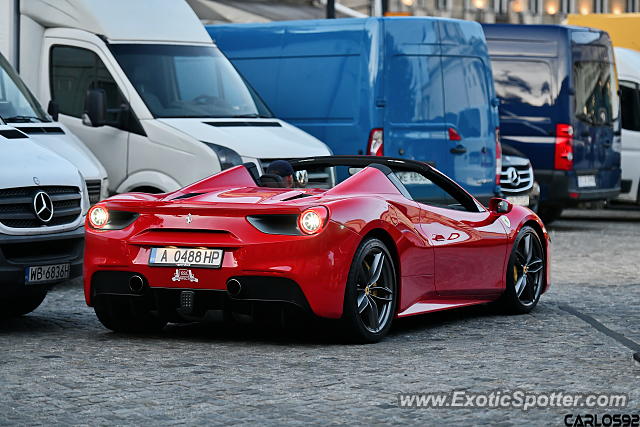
[454,135]
[498,156]
[563,159]
[375,146]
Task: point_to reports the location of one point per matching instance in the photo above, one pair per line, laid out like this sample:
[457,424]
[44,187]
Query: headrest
[270,180]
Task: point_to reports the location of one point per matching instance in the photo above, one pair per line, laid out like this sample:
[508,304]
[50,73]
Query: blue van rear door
[468,94]
[596,110]
[414,112]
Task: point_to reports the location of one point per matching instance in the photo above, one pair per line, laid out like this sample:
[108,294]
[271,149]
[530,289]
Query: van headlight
[228,158]
[84,203]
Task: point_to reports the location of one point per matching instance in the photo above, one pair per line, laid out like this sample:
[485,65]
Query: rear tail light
[563,159]
[313,220]
[454,135]
[498,156]
[375,146]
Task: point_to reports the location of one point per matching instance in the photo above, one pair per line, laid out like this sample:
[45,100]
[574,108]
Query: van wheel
[17,306]
[525,273]
[371,293]
[548,214]
[125,314]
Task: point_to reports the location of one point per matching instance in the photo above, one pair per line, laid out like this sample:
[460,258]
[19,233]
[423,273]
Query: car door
[470,243]
[630,104]
[74,68]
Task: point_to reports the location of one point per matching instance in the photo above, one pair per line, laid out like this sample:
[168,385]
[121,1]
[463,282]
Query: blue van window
[415,89]
[593,92]
[466,96]
[524,88]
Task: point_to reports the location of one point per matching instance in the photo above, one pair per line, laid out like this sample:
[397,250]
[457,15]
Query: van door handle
[585,134]
[459,149]
[606,144]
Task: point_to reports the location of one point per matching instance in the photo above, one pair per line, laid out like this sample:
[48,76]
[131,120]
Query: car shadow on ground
[309,331]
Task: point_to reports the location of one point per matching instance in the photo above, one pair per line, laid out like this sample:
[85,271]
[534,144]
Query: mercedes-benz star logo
[189,219]
[513,176]
[43,206]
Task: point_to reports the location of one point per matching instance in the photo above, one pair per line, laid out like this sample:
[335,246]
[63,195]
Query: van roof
[321,23]
[509,29]
[122,20]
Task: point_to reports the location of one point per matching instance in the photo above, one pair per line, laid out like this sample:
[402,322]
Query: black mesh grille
[16,206]
[93,188]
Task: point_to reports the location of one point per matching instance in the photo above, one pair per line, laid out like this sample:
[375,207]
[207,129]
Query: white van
[628,65]
[43,205]
[144,87]
[20,109]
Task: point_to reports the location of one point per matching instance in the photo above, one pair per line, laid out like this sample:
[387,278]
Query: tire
[20,305]
[370,293]
[524,285]
[548,214]
[124,314]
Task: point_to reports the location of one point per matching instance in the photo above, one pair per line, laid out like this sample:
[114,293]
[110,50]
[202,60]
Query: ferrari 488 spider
[397,238]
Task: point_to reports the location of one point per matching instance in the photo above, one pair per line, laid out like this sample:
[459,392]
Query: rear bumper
[252,290]
[19,252]
[307,271]
[560,188]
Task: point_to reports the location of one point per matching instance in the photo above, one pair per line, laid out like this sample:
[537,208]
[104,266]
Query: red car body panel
[445,258]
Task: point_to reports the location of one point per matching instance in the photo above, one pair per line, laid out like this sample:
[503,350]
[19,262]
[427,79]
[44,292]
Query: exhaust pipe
[136,283]
[234,287]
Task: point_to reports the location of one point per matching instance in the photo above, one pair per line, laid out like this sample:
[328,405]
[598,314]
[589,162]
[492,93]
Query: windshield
[596,100]
[187,81]
[16,102]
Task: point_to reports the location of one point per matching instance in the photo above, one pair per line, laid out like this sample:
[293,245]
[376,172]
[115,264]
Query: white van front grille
[319,177]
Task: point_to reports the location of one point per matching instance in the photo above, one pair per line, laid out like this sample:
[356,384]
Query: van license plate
[186,257]
[586,181]
[46,273]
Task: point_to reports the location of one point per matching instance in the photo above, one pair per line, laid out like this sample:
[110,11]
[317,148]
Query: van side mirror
[95,108]
[500,206]
[53,109]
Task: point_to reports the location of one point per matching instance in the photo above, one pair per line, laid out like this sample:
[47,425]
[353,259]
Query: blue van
[559,105]
[416,88]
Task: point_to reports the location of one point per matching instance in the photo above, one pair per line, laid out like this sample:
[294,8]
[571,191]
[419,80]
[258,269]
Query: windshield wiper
[22,119]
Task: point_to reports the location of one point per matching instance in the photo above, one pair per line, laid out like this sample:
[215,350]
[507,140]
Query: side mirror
[53,109]
[95,108]
[500,206]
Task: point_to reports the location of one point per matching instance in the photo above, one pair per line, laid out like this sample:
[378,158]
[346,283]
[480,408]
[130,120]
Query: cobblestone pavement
[60,366]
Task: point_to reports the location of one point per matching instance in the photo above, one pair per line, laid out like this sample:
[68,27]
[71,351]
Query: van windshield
[17,105]
[596,99]
[187,81]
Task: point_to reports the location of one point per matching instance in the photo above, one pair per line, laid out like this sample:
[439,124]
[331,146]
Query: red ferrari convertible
[395,239]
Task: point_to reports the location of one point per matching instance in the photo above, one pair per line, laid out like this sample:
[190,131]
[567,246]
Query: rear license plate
[46,273]
[186,257]
[586,181]
[519,200]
